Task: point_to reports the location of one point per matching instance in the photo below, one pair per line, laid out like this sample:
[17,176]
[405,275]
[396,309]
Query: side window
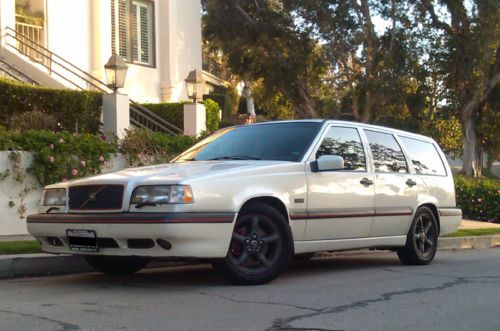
[386,152]
[424,157]
[344,142]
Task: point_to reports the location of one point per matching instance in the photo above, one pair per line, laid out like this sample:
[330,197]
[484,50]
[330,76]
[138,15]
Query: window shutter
[113,23]
[142,32]
[123,30]
[145,34]
[134,43]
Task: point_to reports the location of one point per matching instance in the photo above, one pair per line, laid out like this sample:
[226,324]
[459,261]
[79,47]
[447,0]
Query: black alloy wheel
[422,239]
[261,246]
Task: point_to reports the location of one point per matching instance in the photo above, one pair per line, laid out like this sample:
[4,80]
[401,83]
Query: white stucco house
[159,39]
[66,43]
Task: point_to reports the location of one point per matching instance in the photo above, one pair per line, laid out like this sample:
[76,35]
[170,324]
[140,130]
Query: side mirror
[327,163]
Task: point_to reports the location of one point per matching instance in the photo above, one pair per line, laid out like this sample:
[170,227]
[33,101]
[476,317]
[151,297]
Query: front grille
[96,197]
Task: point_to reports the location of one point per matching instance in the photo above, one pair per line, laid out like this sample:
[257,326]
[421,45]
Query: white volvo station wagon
[248,198]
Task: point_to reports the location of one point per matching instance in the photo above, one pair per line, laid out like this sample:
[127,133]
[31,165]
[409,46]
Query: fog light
[164,244]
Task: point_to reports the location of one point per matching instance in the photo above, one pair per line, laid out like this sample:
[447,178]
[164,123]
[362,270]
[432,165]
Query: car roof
[358,124]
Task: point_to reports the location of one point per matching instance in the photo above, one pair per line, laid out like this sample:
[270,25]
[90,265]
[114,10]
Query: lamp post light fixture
[195,85]
[116,70]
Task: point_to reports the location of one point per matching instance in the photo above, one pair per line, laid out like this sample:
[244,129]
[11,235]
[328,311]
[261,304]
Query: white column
[195,119]
[168,50]
[179,45]
[98,37]
[116,114]
[7,18]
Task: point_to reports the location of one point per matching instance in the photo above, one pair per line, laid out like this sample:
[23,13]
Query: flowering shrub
[479,199]
[143,147]
[60,156]
[63,156]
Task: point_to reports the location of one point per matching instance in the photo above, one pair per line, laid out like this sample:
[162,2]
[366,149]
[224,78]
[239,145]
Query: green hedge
[63,156]
[213,119]
[71,109]
[478,198]
[226,97]
[173,112]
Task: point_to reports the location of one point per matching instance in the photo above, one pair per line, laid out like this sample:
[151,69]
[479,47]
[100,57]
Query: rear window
[386,152]
[424,157]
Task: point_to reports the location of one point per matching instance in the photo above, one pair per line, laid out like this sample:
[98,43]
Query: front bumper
[202,235]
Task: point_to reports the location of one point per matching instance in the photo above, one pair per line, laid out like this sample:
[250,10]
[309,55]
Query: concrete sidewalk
[469,224]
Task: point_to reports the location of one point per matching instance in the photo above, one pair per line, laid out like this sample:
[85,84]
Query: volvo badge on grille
[92,196]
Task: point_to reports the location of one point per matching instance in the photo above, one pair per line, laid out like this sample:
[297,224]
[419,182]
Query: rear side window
[344,142]
[386,152]
[424,157]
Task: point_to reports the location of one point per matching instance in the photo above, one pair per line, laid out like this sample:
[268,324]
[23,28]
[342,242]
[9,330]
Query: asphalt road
[459,291]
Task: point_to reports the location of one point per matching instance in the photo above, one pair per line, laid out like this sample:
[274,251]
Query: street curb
[478,242]
[41,265]
[25,265]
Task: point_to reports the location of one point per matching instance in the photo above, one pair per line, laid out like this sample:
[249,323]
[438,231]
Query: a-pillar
[116,114]
[195,119]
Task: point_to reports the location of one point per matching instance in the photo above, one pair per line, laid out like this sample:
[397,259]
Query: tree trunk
[471,166]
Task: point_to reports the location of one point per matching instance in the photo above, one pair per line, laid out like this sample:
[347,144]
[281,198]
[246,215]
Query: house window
[132,33]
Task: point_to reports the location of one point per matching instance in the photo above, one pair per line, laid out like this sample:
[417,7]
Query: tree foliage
[420,65]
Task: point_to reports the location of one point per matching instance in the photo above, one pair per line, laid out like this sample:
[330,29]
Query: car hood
[177,172]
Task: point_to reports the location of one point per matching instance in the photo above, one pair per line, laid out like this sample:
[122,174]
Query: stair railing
[140,116]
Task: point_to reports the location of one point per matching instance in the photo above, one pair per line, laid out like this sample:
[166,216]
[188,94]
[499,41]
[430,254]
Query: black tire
[117,265]
[422,239]
[261,247]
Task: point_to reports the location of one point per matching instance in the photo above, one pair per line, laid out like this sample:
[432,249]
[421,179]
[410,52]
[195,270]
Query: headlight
[162,194]
[55,197]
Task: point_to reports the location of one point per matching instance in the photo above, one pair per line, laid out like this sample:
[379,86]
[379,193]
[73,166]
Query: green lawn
[474,232]
[19,247]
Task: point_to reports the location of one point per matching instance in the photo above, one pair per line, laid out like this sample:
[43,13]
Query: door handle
[411,182]
[366,182]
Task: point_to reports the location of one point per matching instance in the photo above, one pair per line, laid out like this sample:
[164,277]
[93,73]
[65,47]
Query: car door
[340,203]
[395,191]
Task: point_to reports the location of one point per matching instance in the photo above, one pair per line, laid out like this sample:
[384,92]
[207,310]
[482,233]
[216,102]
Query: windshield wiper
[235,157]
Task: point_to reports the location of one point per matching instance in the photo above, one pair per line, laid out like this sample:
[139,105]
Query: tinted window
[386,152]
[424,157]
[276,141]
[344,142]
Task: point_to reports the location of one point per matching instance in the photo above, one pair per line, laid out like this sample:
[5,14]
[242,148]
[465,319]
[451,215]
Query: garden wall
[20,192]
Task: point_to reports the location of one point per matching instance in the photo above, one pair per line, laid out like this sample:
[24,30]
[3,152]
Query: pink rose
[101,159]
[83,163]
[139,155]
[479,200]
[104,138]
[51,159]
[51,146]
[74,172]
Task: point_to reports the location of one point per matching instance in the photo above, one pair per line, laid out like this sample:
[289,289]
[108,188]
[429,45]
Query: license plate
[82,240]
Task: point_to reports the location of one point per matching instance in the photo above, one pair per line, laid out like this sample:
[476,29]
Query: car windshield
[274,141]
